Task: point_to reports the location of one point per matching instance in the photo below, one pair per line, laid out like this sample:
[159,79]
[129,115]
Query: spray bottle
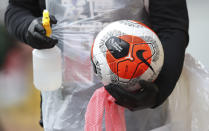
[47,70]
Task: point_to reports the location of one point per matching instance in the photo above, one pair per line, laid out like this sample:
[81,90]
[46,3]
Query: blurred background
[199,30]
[20,101]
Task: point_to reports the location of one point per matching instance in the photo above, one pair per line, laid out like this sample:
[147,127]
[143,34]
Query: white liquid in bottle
[47,70]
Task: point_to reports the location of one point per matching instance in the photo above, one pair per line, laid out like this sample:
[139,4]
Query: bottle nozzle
[46,22]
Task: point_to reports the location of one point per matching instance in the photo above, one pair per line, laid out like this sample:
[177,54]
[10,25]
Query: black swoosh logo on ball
[139,54]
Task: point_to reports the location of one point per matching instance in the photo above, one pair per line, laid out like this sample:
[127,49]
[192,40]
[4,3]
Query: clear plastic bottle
[47,70]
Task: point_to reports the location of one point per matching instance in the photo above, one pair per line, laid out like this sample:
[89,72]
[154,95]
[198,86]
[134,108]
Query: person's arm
[23,19]
[19,15]
[169,19]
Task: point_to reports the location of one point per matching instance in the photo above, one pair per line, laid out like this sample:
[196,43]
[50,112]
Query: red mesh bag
[102,102]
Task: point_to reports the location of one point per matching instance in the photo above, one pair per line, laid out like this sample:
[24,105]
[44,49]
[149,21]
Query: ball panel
[117,47]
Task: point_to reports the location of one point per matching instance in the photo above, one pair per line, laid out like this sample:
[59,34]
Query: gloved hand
[144,97]
[36,34]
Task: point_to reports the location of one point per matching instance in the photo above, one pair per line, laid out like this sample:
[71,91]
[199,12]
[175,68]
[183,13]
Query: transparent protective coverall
[79,21]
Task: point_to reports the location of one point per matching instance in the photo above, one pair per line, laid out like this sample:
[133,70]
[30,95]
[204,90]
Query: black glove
[144,97]
[36,34]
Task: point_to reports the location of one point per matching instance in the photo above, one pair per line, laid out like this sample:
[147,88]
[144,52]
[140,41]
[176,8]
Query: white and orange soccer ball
[127,51]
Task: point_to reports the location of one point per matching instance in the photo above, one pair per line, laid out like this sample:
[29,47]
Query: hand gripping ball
[125,52]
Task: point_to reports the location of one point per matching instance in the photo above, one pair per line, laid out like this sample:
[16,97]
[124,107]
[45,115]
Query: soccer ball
[125,52]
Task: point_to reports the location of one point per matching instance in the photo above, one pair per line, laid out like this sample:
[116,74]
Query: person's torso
[79,21]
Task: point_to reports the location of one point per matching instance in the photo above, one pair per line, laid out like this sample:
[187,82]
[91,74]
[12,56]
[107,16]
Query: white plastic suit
[79,21]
